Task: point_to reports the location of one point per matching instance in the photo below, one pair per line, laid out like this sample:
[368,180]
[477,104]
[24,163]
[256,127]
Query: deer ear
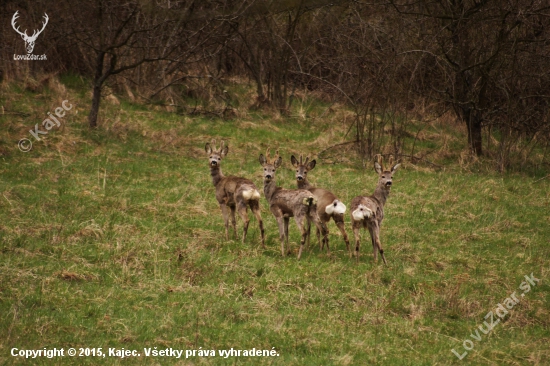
[278,162]
[395,167]
[311,164]
[377,168]
[224,152]
[262,159]
[294,161]
[208,148]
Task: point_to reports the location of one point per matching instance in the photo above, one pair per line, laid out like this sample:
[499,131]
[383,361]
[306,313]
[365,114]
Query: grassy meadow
[113,238]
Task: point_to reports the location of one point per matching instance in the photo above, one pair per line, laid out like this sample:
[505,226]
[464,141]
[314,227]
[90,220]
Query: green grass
[113,238]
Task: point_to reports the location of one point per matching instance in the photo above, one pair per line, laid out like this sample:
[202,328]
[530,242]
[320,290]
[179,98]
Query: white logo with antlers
[29,40]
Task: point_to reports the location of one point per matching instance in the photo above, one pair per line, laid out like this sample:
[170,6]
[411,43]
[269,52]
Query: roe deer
[328,206]
[286,203]
[234,193]
[368,212]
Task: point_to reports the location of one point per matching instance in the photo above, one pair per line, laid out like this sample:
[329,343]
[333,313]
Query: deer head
[385,175]
[216,155]
[270,165]
[302,167]
[29,41]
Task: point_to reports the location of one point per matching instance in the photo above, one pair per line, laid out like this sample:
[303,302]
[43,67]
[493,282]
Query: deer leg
[356,235]
[339,220]
[233,220]
[324,232]
[374,251]
[281,224]
[318,232]
[308,233]
[255,207]
[321,230]
[225,215]
[242,210]
[376,241]
[303,232]
[286,232]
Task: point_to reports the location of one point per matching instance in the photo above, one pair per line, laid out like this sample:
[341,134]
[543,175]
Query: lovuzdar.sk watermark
[25,145]
[29,40]
[30,57]
[500,311]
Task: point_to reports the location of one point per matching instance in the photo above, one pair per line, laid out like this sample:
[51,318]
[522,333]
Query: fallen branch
[420,159]
[15,114]
[541,178]
[340,144]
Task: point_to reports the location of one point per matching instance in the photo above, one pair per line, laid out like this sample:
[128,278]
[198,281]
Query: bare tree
[123,36]
[266,41]
[477,48]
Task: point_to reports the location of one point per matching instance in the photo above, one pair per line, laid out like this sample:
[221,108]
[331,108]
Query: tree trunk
[473,123]
[96,99]
[256,74]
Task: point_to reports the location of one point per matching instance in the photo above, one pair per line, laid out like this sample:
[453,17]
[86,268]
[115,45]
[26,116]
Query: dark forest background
[483,64]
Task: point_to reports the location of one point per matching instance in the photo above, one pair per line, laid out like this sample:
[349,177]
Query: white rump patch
[308,201]
[251,194]
[362,212]
[336,207]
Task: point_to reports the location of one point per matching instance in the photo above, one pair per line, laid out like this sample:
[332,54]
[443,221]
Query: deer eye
[383,177]
[265,169]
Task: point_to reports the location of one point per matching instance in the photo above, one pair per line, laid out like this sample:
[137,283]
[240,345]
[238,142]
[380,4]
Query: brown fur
[373,205]
[234,194]
[286,203]
[323,196]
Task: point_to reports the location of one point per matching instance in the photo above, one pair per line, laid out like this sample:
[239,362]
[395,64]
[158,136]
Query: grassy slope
[113,238]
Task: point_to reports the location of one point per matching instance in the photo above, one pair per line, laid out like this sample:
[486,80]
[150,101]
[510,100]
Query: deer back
[228,188]
[327,202]
[366,208]
[372,207]
[292,202]
[287,202]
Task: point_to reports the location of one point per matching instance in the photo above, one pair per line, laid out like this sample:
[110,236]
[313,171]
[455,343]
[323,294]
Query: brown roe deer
[233,193]
[328,205]
[368,212]
[286,203]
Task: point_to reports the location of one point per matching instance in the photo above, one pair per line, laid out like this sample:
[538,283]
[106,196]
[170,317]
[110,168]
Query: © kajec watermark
[155,352]
[500,311]
[25,145]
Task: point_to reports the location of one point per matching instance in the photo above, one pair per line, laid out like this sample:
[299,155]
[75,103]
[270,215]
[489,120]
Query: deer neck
[217,175]
[269,189]
[303,184]
[381,194]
